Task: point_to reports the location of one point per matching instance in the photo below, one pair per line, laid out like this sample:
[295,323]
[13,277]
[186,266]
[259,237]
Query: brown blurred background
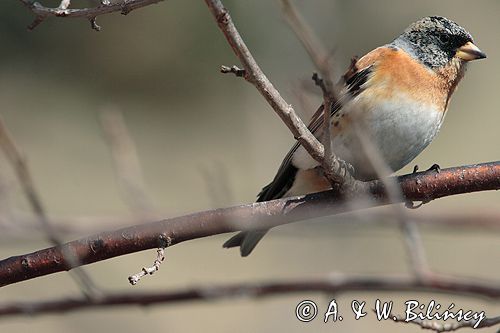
[207,140]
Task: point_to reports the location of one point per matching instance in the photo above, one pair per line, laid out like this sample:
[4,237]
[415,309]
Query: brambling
[399,92]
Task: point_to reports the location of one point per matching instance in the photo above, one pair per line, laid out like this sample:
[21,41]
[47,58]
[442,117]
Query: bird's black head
[435,41]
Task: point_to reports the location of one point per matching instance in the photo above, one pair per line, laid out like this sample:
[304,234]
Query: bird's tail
[246,240]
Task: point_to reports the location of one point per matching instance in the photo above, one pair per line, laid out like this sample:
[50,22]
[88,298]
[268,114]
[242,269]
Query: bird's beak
[469,52]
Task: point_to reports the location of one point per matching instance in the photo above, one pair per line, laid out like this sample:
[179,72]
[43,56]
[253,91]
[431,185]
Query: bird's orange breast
[396,73]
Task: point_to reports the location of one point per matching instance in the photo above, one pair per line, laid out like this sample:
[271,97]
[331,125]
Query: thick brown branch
[333,285]
[425,186]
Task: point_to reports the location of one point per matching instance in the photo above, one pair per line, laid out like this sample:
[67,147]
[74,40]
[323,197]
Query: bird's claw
[347,166]
[435,167]
[350,168]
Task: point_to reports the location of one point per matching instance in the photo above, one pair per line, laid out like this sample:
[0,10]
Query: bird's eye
[445,39]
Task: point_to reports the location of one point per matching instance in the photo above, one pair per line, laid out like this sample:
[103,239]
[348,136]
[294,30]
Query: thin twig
[233,69]
[160,257]
[262,215]
[323,63]
[18,163]
[413,242]
[333,285]
[255,76]
[328,102]
[321,58]
[126,163]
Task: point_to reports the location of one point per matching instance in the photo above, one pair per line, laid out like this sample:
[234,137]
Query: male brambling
[399,92]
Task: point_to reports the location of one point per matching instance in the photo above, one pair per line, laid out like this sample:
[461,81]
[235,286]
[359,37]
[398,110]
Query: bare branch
[42,12]
[338,173]
[126,162]
[19,165]
[334,284]
[323,62]
[25,227]
[413,241]
[422,186]
[18,162]
[160,257]
[322,59]
[328,103]
[263,215]
[234,70]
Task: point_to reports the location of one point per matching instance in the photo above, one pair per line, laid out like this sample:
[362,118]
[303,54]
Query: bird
[398,93]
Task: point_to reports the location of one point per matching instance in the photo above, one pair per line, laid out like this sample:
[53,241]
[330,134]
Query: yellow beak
[469,52]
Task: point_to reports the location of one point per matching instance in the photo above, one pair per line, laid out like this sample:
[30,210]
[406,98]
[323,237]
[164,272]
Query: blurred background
[207,140]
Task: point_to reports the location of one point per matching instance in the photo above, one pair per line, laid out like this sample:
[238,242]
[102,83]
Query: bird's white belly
[398,129]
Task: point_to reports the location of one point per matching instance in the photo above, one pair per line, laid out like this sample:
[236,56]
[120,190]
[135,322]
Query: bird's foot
[347,166]
[435,167]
